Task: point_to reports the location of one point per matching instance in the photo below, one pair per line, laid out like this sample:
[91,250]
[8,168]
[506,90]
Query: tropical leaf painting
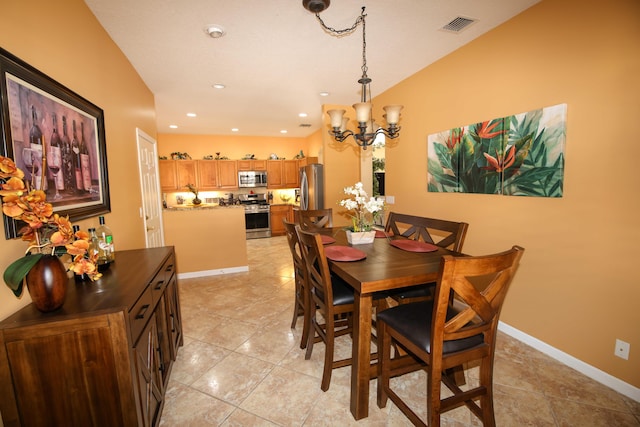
[519,155]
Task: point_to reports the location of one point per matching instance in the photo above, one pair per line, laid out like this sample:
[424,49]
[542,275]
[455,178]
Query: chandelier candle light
[367,129]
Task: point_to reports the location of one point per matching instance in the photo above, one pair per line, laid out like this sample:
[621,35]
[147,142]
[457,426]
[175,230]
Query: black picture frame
[26,93]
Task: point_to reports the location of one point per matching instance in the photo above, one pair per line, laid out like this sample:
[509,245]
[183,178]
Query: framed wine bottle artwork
[56,137]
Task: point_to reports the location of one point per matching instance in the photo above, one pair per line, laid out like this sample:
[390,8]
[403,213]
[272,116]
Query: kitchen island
[208,239]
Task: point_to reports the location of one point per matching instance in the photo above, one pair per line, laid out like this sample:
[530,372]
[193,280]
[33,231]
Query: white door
[150,184]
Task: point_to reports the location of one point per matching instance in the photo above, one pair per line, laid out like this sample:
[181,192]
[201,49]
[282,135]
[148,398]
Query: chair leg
[384,360]
[311,335]
[486,401]
[306,325]
[434,386]
[328,353]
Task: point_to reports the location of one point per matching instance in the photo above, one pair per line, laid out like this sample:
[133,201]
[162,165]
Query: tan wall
[579,285]
[66,42]
[233,147]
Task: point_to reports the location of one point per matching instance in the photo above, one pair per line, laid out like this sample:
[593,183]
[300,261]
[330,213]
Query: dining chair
[439,232]
[330,297]
[301,297]
[315,219]
[439,335]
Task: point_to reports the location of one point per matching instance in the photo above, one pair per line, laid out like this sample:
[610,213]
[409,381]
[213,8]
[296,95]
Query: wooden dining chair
[301,296]
[439,335]
[330,297]
[443,233]
[314,219]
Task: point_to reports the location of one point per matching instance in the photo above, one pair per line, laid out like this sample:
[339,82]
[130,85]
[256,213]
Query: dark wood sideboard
[104,358]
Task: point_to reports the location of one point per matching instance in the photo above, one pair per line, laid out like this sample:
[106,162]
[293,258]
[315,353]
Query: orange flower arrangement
[45,231]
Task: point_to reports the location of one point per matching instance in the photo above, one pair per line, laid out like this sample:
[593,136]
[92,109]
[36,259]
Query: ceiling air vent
[458,24]
[305,125]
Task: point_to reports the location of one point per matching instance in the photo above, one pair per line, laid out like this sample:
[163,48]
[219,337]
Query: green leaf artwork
[519,155]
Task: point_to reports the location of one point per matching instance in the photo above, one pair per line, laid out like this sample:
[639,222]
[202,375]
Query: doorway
[150,186]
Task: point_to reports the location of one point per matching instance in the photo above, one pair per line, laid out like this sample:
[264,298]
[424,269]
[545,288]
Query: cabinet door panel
[149,375]
[186,173]
[46,368]
[291,173]
[227,174]
[207,174]
[168,177]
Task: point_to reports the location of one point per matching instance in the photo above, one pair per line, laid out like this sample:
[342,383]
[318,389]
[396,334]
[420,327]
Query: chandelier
[368,130]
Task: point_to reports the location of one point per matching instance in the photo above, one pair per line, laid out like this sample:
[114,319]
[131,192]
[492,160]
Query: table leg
[361,356]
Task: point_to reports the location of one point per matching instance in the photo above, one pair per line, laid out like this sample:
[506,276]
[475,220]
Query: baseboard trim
[588,370]
[204,273]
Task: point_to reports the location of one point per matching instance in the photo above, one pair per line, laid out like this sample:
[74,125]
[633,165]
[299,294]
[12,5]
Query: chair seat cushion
[414,322]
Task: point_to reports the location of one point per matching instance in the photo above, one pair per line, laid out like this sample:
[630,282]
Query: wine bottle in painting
[85,161]
[77,163]
[34,165]
[68,173]
[54,159]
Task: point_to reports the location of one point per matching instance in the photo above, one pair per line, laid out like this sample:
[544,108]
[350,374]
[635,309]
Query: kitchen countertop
[202,206]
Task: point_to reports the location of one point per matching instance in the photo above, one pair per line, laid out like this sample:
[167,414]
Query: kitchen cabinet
[227,174]
[283,174]
[176,174]
[217,174]
[105,357]
[252,165]
[278,213]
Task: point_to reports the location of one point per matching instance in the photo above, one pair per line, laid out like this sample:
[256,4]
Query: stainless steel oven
[257,215]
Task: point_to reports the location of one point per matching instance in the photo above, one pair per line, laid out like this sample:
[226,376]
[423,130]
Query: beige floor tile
[186,406]
[284,397]
[195,358]
[233,378]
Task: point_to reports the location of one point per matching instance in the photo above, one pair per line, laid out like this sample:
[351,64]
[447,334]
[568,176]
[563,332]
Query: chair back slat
[446,234]
[318,275]
[315,219]
[479,286]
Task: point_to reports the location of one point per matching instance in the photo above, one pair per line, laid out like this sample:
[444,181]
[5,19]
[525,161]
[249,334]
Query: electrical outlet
[390,199]
[622,349]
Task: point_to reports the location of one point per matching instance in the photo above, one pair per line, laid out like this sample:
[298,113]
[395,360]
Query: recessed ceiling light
[302,115]
[324,93]
[283,131]
[214,31]
[218,86]
[234,129]
[191,114]
[173,126]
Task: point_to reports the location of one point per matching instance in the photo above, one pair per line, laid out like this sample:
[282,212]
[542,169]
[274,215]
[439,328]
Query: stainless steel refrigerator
[312,187]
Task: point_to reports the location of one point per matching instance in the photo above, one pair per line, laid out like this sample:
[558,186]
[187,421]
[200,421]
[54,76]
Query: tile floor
[241,365]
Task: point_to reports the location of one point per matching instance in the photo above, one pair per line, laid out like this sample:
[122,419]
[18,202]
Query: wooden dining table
[385,268]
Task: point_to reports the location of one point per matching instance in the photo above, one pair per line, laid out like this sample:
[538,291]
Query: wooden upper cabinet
[252,165]
[207,174]
[307,161]
[168,177]
[227,173]
[176,174]
[290,173]
[275,177]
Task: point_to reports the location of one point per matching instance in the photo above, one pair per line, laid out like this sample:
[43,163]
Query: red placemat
[327,240]
[414,245]
[344,253]
[380,233]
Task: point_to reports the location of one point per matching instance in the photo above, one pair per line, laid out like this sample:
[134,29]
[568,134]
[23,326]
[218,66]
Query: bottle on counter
[105,237]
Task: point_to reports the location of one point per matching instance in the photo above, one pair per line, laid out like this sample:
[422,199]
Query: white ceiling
[275,58]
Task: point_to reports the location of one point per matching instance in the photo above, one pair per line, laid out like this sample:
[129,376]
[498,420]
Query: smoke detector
[214,31]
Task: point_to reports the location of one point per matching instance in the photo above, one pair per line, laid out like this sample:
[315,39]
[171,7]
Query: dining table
[382,267]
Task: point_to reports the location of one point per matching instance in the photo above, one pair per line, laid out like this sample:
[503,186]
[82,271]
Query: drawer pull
[142,312]
[159,285]
[169,268]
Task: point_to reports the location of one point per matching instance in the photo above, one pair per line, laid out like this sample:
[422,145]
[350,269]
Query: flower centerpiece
[194,190]
[365,210]
[50,237]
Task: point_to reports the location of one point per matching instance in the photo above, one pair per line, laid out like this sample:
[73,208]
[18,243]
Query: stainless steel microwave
[252,179]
